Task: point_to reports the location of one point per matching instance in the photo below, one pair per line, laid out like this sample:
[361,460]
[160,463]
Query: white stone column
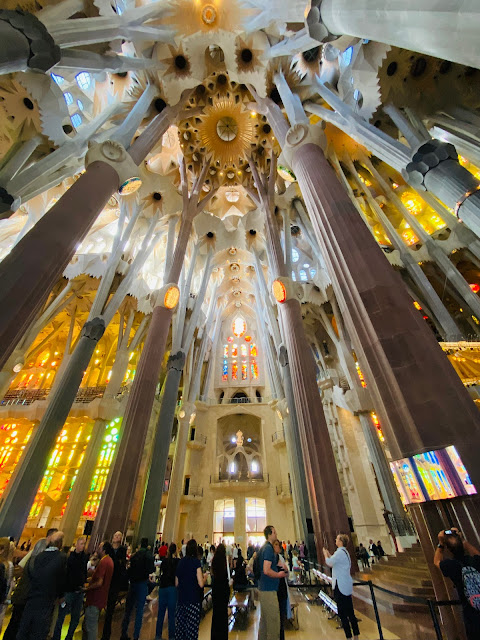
[240,525]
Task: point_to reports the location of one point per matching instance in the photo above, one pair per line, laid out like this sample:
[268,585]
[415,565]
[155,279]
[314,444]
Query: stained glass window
[244,370]
[234,370]
[294,277]
[225,370]
[84,80]
[230,339]
[243,349]
[68,97]
[225,350]
[76,119]
[303,275]
[254,369]
[295,255]
[247,338]
[253,350]
[239,327]
[235,350]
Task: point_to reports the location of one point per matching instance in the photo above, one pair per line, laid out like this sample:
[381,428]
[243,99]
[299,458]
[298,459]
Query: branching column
[421,400]
[326,500]
[118,495]
[41,256]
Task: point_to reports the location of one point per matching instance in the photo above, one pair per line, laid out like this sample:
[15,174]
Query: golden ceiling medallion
[209,14]
[226,131]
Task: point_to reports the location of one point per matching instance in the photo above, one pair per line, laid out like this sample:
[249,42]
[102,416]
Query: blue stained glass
[68,97]
[347,56]
[294,277]
[76,119]
[303,275]
[313,272]
[58,79]
[80,105]
[84,80]
[295,255]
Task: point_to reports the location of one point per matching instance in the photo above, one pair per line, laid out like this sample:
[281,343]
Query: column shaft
[240,525]
[420,399]
[175,487]
[326,499]
[163,435]
[28,474]
[39,259]
[118,495]
[441,28]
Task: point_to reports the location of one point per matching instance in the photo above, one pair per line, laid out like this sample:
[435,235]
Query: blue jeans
[73,606]
[167,599]
[137,594]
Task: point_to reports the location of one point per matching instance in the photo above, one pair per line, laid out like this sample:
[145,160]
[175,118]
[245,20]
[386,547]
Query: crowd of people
[370,554]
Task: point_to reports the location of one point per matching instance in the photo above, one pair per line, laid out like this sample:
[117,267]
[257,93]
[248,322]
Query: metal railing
[234,479]
[195,492]
[328,601]
[29,396]
[252,400]
[400,526]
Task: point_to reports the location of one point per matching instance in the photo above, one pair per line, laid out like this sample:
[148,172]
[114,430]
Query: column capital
[43,52]
[298,136]
[94,329]
[116,156]
[176,361]
[425,157]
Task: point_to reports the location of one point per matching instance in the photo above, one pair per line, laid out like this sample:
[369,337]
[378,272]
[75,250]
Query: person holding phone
[458,560]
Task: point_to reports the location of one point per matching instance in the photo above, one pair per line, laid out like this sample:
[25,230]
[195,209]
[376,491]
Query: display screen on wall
[433,475]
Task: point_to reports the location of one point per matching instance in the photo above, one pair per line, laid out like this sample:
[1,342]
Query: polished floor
[313,622]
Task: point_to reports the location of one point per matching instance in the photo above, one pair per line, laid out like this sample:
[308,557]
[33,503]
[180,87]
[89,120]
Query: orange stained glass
[234,370]
[253,350]
[254,370]
[247,338]
[239,327]
[235,350]
[376,422]
[360,375]
[230,339]
[244,370]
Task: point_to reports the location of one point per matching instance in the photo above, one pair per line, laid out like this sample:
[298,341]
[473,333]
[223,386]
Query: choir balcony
[239,481]
[197,440]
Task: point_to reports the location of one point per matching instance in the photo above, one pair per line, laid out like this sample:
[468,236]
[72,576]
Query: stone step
[411,573]
[388,603]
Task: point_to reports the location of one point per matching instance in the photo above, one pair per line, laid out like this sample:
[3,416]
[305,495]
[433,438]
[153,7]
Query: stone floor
[313,621]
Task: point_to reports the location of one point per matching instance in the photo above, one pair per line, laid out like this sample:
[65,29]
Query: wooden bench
[239,605]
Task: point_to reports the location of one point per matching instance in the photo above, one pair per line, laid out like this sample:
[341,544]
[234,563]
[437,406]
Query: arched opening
[239,398]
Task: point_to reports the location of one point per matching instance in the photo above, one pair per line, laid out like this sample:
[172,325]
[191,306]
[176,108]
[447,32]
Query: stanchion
[375,610]
[433,613]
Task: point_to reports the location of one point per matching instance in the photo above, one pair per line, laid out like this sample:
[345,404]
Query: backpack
[257,565]
[471,586]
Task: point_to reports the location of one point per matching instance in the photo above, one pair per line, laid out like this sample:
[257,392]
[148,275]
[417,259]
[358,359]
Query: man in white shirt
[342,584]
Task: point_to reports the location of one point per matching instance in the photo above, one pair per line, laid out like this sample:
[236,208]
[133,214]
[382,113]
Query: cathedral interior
[240,271]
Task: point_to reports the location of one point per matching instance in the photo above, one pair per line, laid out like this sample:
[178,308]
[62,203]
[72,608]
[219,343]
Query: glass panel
[234,350]
[234,370]
[253,350]
[243,349]
[244,370]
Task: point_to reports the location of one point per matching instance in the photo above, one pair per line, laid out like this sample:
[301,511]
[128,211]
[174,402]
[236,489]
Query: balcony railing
[235,478]
[255,400]
[29,396]
[194,492]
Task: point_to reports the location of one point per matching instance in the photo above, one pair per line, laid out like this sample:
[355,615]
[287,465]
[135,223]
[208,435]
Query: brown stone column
[326,500]
[119,492]
[117,498]
[421,400]
[29,272]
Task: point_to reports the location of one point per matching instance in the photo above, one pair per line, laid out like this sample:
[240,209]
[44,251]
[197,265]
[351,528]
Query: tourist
[381,552]
[220,594]
[20,593]
[48,537]
[190,582]
[210,555]
[240,582]
[297,567]
[98,589]
[184,548]
[372,547]
[6,576]
[342,584]
[282,593]
[163,550]
[119,580]
[229,550]
[76,578]
[463,568]
[364,556]
[269,628]
[141,566]
[167,593]
[234,554]
[47,583]
[290,555]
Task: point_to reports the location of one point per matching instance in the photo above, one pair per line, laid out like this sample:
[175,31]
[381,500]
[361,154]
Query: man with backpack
[463,569]
[141,566]
[269,578]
